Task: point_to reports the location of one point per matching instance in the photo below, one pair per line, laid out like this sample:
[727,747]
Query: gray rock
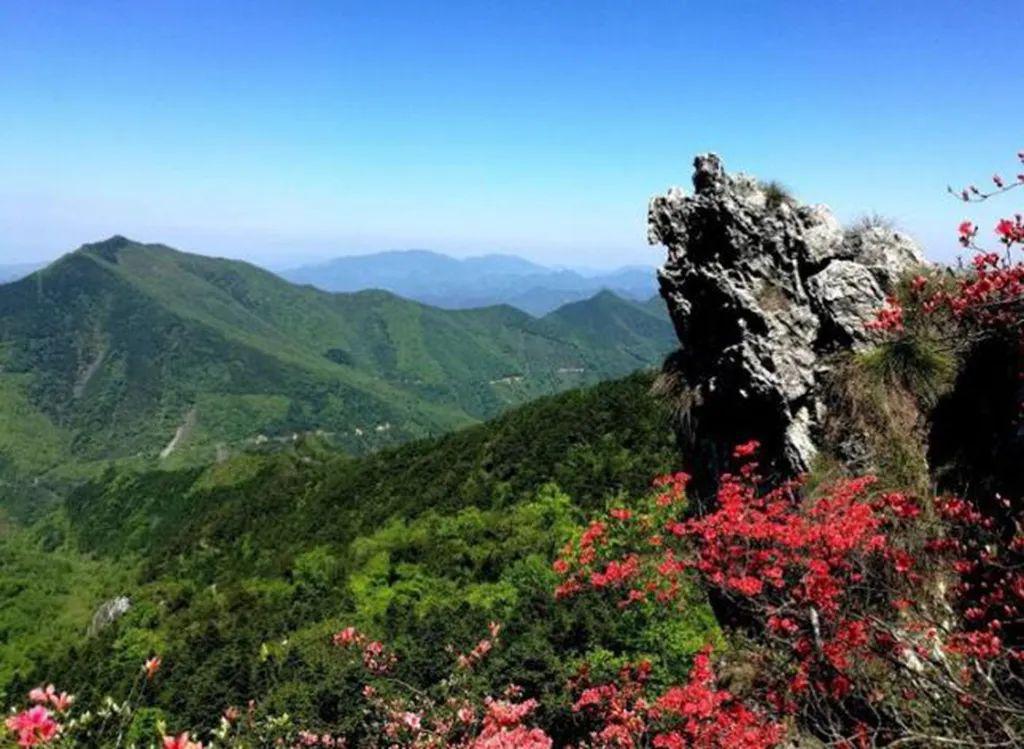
[886,252]
[824,237]
[108,613]
[762,291]
[847,295]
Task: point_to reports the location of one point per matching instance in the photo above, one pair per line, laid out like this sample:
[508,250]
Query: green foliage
[426,565]
[241,571]
[27,438]
[915,363]
[48,596]
[146,728]
[316,569]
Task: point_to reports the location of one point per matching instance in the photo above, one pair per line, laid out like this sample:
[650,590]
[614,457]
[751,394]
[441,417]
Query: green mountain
[238,573]
[606,321]
[140,353]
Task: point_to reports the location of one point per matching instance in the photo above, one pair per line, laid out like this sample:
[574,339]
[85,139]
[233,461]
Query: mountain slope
[607,321]
[239,572]
[451,283]
[128,351]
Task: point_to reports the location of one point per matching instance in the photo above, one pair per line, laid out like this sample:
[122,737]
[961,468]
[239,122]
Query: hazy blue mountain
[451,283]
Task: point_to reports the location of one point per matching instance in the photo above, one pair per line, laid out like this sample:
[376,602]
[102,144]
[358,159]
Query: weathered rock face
[761,291]
[108,613]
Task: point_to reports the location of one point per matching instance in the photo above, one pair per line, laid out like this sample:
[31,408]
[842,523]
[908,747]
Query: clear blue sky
[280,131]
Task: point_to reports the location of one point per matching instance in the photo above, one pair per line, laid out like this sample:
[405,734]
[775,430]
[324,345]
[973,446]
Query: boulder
[762,291]
[108,613]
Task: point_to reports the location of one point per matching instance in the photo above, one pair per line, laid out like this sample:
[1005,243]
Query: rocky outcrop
[762,291]
[108,613]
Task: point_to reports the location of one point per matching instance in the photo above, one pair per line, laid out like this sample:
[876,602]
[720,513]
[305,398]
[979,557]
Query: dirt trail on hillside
[87,375]
[181,434]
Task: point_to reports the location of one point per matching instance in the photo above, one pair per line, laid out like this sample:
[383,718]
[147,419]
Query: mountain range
[451,283]
[138,352]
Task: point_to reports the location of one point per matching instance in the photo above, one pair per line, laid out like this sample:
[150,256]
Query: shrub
[777,194]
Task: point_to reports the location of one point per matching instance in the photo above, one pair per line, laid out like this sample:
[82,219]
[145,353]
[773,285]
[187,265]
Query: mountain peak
[108,249]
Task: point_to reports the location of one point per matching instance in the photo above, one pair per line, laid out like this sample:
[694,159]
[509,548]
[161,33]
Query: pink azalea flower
[34,726]
[181,741]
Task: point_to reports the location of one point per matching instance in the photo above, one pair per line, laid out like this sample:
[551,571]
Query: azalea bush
[51,718]
[695,714]
[858,615]
[399,715]
[990,296]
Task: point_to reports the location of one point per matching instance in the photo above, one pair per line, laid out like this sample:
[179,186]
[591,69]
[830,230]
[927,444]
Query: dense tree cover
[48,595]
[125,351]
[241,571]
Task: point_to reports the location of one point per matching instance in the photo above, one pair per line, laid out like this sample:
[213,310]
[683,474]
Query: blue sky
[286,131]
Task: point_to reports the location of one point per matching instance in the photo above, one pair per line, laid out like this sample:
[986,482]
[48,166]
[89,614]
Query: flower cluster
[325,740]
[34,726]
[181,741]
[991,295]
[38,725]
[844,597]
[376,658]
[449,717]
[151,667]
[60,701]
[471,659]
[696,715]
[888,318]
[413,720]
[503,728]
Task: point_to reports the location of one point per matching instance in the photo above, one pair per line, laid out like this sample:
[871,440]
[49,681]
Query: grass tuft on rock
[777,194]
[920,366]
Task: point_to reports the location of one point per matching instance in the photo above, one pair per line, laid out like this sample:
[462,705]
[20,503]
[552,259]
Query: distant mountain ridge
[452,283]
[139,352]
[16,271]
